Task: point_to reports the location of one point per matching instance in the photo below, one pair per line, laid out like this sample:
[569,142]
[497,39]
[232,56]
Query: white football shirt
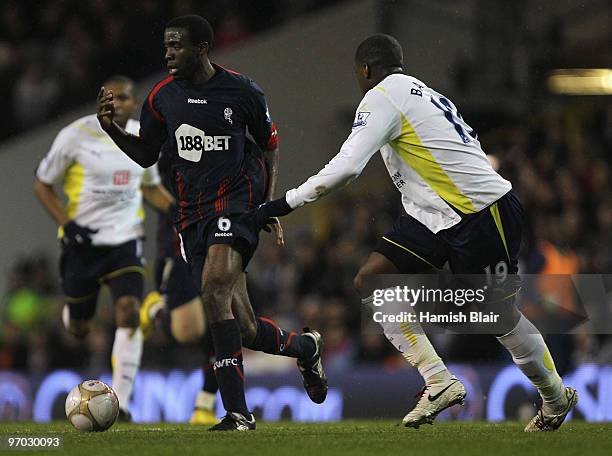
[101,182]
[433,157]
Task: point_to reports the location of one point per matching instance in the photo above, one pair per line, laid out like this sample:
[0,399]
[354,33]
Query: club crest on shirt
[121,177]
[228,115]
[361,119]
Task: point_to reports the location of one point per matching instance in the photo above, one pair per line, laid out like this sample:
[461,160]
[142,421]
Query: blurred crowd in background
[559,165]
[51,54]
[53,51]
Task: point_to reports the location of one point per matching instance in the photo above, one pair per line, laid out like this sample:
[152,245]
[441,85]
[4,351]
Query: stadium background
[492,58]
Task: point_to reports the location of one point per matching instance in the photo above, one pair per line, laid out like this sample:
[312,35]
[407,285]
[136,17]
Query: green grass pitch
[344,438]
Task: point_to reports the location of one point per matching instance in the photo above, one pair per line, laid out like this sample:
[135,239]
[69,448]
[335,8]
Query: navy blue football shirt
[203,128]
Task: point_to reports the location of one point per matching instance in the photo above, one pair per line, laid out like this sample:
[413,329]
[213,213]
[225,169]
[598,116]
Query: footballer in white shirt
[101,228]
[457,211]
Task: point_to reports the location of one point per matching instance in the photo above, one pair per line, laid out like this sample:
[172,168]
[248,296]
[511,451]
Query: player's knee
[127,311]
[187,335]
[216,291]
[78,328]
[369,268]
[217,281]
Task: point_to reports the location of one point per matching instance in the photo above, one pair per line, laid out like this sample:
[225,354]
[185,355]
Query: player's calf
[263,334]
[77,314]
[127,349]
[531,355]
[127,311]
[216,296]
[187,324]
[76,327]
[221,271]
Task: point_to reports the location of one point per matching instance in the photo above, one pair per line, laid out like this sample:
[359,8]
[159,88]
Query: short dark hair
[119,79]
[380,51]
[199,29]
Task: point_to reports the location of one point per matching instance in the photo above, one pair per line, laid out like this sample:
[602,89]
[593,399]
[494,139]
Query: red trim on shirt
[156,89]
[273,140]
[199,207]
[261,164]
[221,202]
[180,188]
[248,180]
[227,69]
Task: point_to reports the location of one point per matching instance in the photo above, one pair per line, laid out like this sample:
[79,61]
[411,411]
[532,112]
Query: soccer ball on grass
[92,406]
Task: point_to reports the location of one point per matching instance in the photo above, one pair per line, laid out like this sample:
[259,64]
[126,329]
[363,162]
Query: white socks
[531,355]
[413,344]
[416,348]
[127,351]
[205,401]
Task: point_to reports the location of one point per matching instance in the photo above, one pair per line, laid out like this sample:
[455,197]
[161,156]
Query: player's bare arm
[73,233]
[271,159]
[50,201]
[133,146]
[157,197]
[355,153]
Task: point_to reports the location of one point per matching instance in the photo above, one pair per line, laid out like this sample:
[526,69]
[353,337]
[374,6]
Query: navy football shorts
[174,280]
[172,276]
[482,243]
[230,230]
[84,269]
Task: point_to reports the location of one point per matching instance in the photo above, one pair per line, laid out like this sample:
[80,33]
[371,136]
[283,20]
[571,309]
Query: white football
[92,406]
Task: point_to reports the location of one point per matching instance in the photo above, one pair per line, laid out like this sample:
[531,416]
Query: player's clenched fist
[105,108]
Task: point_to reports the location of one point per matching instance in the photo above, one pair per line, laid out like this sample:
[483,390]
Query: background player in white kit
[457,210]
[101,228]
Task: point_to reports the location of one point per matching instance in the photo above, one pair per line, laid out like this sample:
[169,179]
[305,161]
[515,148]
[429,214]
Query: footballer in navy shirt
[206,115]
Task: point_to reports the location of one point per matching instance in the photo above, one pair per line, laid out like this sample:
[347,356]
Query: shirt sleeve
[59,158]
[152,124]
[259,121]
[377,122]
[150,176]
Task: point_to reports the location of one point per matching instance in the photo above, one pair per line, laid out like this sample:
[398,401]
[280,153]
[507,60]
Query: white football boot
[545,423]
[434,399]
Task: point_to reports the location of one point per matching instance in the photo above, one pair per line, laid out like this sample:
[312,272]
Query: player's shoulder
[238,80]
[398,90]
[398,82]
[87,120]
[161,86]
[83,125]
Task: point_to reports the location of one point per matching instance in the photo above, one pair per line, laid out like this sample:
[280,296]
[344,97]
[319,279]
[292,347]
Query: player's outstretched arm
[370,132]
[133,146]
